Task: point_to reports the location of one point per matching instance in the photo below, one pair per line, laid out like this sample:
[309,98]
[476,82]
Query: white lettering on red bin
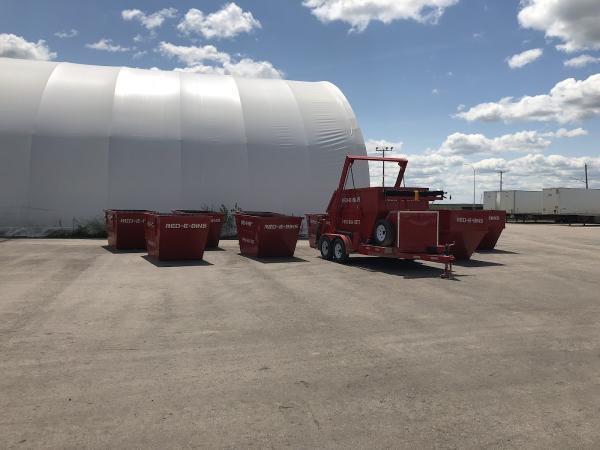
[131,220]
[245,223]
[469,220]
[494,218]
[287,226]
[247,241]
[186,226]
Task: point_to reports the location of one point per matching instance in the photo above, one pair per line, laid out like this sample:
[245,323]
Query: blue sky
[406,79]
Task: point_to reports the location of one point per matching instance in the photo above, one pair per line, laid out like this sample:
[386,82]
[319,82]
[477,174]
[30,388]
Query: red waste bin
[465,228]
[267,234]
[496,222]
[125,228]
[176,236]
[314,224]
[216,223]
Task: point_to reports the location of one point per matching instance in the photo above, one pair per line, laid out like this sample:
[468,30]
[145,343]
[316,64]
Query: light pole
[383,149]
[473,167]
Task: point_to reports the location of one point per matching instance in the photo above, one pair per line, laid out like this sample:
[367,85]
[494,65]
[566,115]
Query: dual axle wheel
[333,250]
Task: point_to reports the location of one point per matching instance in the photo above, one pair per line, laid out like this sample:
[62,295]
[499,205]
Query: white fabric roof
[75,139]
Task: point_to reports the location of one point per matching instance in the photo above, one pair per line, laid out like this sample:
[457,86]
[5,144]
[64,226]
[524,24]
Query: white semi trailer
[571,202]
[514,202]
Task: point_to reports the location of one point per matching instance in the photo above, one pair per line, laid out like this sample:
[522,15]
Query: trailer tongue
[393,222]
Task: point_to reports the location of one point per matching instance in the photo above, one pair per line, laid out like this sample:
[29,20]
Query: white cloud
[359,13]
[468,144]
[245,68]
[444,167]
[12,46]
[195,59]
[192,55]
[531,171]
[568,101]
[522,59]
[138,55]
[227,22]
[435,91]
[582,61]
[149,21]
[522,141]
[574,22]
[564,133]
[66,34]
[107,45]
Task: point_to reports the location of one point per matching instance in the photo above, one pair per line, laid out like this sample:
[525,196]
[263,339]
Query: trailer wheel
[325,248]
[339,251]
[384,233]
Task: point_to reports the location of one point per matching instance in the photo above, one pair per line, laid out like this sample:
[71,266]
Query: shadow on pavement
[275,259]
[117,252]
[404,268]
[496,252]
[476,263]
[178,263]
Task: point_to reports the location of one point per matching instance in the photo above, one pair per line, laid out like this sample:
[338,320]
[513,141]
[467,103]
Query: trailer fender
[344,238]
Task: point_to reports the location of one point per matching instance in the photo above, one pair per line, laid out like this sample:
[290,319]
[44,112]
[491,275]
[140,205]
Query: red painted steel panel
[465,228]
[216,224]
[496,222]
[417,231]
[177,236]
[315,228]
[267,234]
[125,228]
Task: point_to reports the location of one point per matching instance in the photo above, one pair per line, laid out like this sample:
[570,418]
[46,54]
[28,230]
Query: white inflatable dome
[75,139]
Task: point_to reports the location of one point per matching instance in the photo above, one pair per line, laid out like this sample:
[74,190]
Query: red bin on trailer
[216,224]
[264,234]
[176,236]
[464,228]
[125,228]
[496,222]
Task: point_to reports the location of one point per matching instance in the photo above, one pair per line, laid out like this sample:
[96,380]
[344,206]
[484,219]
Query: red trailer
[267,234]
[216,224]
[393,222]
[176,236]
[125,228]
[495,221]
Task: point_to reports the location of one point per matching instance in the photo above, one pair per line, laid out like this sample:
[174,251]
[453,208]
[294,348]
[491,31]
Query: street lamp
[472,167]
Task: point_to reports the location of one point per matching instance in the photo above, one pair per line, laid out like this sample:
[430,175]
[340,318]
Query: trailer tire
[325,248]
[383,233]
[338,250]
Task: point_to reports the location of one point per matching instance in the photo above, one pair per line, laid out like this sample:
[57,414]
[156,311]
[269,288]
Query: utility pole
[500,172]
[383,149]
[473,167]
[586,177]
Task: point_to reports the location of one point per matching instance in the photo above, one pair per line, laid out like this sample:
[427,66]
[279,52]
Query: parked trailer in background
[490,200]
[520,202]
[572,205]
[571,201]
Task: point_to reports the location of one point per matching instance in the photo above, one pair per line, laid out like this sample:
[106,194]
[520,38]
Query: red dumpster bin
[496,222]
[216,223]
[264,234]
[125,228]
[314,224]
[176,236]
[465,228]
